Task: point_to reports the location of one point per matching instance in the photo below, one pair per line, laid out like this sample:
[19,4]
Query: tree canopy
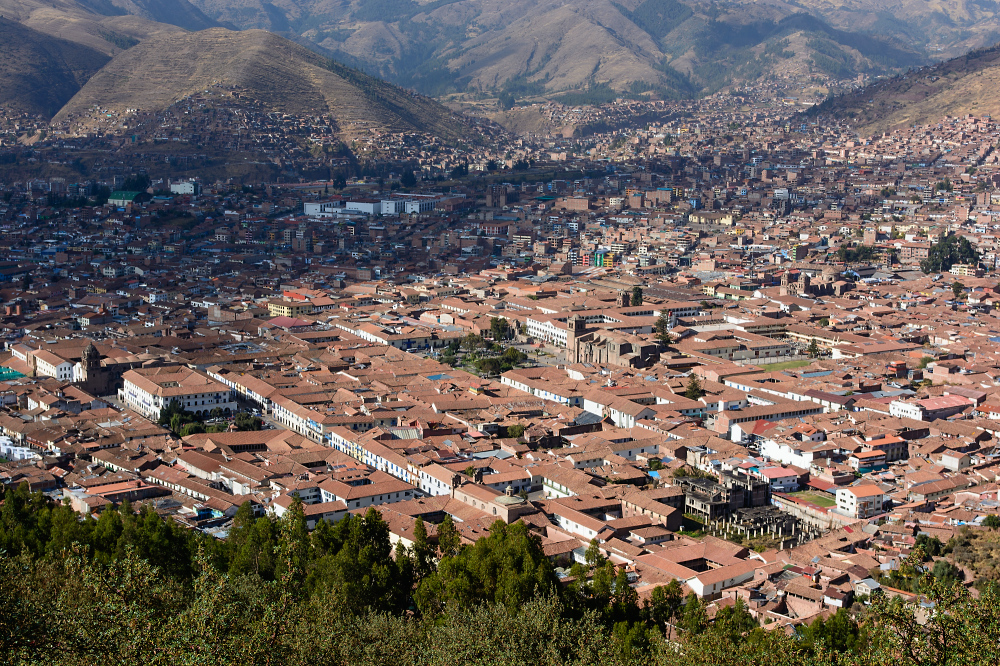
[693,389]
[948,251]
[132,587]
[662,328]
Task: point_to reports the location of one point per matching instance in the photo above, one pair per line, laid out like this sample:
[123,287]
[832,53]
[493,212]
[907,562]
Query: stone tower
[575,327]
[92,377]
[804,284]
[91,362]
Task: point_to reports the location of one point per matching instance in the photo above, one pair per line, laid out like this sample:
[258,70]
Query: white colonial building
[149,390]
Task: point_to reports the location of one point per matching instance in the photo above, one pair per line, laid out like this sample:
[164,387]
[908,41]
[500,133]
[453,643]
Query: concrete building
[860,501]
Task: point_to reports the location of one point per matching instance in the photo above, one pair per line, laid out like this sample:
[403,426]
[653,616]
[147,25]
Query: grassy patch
[818,499]
[787,365]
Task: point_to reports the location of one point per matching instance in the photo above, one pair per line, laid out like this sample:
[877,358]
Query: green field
[787,365]
[819,499]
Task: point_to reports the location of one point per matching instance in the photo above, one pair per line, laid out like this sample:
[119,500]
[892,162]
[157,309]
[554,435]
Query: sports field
[819,499]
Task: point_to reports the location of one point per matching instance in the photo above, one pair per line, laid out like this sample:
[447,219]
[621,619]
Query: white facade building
[149,390]
[860,501]
[185,187]
[50,365]
[322,208]
[906,410]
[368,206]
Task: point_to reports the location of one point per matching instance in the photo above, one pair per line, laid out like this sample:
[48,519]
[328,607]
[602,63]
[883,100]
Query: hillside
[945,28]
[39,73]
[279,74]
[594,49]
[109,32]
[173,12]
[531,47]
[967,84]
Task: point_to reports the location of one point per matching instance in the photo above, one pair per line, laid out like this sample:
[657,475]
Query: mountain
[40,73]
[593,50]
[527,47]
[280,75]
[109,33]
[967,84]
[173,12]
[945,28]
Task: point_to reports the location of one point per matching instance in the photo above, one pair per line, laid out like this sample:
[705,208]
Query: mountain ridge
[40,73]
[279,74]
[963,85]
[678,47]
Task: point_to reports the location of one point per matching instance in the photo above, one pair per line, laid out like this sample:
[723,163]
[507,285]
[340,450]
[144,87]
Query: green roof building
[122,198]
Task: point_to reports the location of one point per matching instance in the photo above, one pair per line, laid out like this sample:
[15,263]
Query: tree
[931,546]
[136,183]
[191,429]
[735,621]
[813,348]
[924,360]
[253,543]
[293,543]
[662,328]
[408,179]
[839,632]
[514,356]
[472,342]
[991,521]
[693,617]
[593,556]
[957,288]
[693,389]
[168,413]
[860,254]
[665,603]
[499,328]
[488,366]
[449,540]
[824,322]
[636,298]
[946,573]
[507,568]
[247,422]
[625,606]
[632,640]
[514,431]
[948,251]
[423,551]
[358,568]
[959,631]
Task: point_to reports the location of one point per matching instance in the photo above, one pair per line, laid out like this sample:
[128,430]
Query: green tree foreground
[107,591]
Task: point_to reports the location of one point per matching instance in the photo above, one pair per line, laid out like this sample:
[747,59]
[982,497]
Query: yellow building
[279,308]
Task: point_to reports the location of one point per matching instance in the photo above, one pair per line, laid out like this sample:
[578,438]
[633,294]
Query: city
[706,380]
